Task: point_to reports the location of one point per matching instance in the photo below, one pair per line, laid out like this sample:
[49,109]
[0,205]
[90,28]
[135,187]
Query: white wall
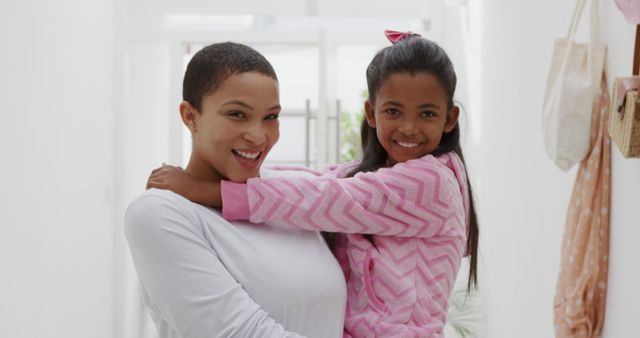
[522,197]
[624,266]
[56,178]
[143,144]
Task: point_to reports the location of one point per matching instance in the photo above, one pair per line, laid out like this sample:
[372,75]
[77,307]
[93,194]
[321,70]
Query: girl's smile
[407,144]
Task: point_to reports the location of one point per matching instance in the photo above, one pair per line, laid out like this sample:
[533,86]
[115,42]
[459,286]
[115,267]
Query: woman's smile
[248,159]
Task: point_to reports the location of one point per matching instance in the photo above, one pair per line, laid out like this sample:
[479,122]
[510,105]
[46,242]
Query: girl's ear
[452,119]
[188,114]
[370,114]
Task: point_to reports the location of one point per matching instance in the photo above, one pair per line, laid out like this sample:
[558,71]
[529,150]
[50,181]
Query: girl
[404,213]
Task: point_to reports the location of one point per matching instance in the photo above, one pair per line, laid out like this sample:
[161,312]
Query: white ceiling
[148,18]
[371,8]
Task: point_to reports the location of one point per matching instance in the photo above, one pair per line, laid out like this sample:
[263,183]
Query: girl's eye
[271,117]
[428,113]
[236,114]
[392,112]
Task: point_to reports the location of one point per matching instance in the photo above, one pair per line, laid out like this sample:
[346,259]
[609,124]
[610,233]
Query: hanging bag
[630,9]
[624,121]
[572,87]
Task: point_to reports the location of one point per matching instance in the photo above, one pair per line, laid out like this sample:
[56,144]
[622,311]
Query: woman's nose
[255,134]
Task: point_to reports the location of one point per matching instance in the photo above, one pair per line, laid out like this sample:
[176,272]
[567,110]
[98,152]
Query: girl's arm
[334,170]
[207,193]
[176,179]
[421,197]
[184,278]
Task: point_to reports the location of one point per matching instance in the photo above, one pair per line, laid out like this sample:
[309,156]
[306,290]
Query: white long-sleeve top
[205,277]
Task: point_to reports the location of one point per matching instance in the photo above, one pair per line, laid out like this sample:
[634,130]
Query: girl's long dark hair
[413,55]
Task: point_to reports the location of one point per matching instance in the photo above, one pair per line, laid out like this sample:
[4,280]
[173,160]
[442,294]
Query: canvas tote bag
[572,87]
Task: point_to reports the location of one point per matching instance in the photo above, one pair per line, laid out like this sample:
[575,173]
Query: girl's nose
[408,127]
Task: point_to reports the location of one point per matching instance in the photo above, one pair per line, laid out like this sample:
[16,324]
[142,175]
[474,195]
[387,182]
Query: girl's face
[410,114]
[236,128]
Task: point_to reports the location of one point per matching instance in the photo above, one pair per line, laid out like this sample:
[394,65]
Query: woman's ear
[452,119]
[188,114]
[370,114]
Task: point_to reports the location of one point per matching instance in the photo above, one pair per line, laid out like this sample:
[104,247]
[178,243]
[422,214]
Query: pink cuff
[235,201]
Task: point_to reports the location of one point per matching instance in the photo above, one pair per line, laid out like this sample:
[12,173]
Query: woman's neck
[202,170]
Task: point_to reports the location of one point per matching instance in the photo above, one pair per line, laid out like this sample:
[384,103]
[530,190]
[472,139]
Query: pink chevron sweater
[417,212]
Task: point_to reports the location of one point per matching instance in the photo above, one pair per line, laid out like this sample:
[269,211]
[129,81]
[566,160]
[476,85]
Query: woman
[203,276]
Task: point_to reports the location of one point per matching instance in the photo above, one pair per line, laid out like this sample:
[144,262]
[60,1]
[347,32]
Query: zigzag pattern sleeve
[332,170]
[418,198]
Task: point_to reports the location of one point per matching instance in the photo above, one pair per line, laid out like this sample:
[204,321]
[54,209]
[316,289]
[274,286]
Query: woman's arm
[184,278]
[422,197]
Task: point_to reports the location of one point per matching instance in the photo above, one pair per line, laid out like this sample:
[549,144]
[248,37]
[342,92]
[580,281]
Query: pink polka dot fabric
[581,290]
[630,9]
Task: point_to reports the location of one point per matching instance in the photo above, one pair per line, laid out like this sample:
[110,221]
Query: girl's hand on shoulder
[172,178]
[176,179]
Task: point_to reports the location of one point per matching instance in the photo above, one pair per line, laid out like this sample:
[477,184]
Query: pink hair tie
[395,36]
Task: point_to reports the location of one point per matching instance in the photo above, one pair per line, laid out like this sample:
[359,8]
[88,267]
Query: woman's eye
[237,114]
[271,117]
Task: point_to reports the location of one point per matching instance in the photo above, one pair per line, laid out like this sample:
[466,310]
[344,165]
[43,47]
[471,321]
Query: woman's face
[236,128]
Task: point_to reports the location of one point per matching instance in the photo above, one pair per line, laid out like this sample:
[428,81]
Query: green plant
[350,145]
